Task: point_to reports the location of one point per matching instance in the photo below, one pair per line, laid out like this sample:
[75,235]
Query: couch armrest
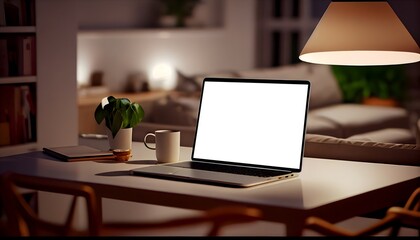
[320,146]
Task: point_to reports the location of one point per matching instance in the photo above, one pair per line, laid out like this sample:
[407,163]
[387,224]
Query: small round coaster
[122,155]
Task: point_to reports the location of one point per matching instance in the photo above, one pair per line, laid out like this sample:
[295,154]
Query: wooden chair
[22,220]
[395,218]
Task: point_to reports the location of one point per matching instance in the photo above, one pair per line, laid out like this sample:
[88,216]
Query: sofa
[330,120]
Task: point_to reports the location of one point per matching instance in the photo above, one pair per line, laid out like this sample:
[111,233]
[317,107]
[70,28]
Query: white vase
[123,140]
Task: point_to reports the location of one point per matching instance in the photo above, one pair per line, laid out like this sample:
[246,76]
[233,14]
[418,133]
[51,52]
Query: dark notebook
[249,132]
[78,153]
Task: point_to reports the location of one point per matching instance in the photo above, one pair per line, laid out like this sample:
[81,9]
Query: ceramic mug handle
[145,140]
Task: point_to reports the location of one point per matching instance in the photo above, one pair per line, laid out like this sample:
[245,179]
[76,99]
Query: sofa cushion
[388,135]
[224,74]
[320,146]
[324,87]
[358,118]
[186,83]
[323,126]
[180,111]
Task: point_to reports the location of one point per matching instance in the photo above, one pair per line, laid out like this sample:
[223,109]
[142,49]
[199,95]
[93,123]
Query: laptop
[248,132]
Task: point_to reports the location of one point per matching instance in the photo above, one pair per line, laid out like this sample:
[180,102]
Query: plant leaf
[135,114]
[116,123]
[99,114]
[119,113]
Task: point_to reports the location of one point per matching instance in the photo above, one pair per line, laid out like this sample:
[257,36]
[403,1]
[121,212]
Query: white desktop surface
[345,188]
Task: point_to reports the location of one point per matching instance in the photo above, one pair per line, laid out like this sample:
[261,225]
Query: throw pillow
[181,111]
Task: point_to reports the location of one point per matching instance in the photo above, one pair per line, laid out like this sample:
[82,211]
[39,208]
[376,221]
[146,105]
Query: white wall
[56,73]
[119,53]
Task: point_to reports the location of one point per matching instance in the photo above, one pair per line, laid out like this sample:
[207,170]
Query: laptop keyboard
[231,169]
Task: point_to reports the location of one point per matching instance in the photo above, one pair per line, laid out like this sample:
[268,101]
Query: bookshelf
[18,80]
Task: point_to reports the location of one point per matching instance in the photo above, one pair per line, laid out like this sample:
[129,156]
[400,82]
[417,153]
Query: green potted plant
[362,84]
[119,114]
[178,10]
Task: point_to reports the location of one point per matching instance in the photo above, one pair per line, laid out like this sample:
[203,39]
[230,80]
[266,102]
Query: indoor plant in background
[120,115]
[175,13]
[378,85]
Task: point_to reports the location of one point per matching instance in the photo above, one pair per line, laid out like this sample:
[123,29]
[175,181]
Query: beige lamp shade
[360,33]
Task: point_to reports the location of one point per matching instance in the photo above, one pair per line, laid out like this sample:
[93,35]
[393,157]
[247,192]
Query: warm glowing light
[360,58]
[162,77]
[360,33]
[82,72]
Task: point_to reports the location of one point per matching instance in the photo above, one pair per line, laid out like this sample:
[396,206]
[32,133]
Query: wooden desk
[332,189]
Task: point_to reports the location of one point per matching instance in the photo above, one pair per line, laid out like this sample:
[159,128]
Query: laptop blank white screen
[260,123]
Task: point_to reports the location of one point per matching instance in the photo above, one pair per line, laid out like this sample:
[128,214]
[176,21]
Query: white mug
[167,145]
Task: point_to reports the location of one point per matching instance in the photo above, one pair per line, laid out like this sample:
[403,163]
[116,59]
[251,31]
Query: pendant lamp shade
[360,33]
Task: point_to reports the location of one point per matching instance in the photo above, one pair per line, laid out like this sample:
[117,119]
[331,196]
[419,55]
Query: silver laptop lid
[252,122]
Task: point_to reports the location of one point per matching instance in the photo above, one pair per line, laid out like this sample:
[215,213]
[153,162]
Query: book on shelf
[29,13]
[13,55]
[2,14]
[12,12]
[4,59]
[28,114]
[19,55]
[4,117]
[27,66]
[7,106]
[5,134]
[18,125]
[17,12]
[18,112]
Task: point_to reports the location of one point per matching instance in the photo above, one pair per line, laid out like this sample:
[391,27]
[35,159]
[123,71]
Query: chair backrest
[23,220]
[395,218]
[409,215]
